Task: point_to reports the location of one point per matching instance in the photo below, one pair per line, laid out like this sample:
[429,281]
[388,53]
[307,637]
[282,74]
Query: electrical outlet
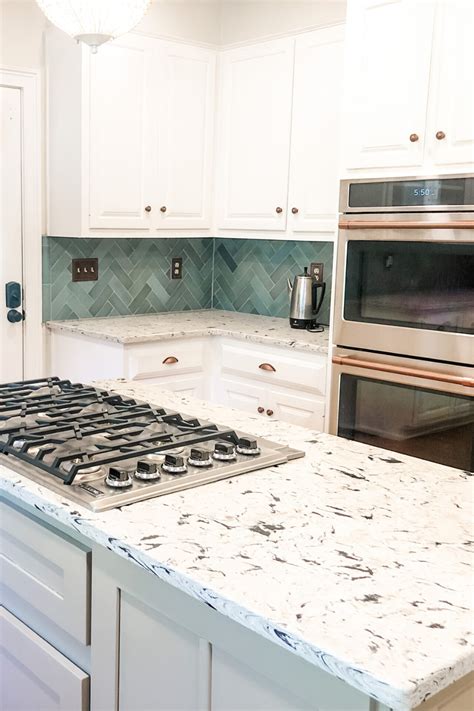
[317,271]
[85,269]
[177,268]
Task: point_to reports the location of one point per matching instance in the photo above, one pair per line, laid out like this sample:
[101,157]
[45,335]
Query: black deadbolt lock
[12,295]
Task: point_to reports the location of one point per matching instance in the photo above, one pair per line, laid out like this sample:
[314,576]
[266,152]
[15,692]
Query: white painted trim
[28,82]
[278,35]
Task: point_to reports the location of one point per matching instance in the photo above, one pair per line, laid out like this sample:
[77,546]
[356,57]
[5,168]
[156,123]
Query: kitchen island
[350,567]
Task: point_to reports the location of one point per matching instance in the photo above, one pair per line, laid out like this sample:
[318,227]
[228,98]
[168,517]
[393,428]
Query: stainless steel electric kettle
[304,306]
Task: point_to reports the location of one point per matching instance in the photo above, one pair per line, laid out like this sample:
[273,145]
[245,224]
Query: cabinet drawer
[49,572]
[306,371]
[155,360]
[34,674]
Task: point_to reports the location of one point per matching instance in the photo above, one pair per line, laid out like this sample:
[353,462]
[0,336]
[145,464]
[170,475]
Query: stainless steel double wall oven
[403,336]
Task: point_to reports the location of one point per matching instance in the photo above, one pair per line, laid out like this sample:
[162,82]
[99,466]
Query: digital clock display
[413,193]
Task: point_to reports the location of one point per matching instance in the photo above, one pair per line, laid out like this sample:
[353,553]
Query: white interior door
[257,85]
[317,104]
[11,334]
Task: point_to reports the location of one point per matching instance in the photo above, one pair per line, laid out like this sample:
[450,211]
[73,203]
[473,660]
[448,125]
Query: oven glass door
[418,421]
[422,285]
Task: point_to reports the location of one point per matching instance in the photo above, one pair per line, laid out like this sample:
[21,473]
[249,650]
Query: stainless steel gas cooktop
[105,450]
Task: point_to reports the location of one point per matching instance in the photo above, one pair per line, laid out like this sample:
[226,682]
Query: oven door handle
[406,224]
[401,370]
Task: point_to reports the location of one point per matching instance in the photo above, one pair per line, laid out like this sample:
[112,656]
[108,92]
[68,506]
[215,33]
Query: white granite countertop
[182,324]
[353,558]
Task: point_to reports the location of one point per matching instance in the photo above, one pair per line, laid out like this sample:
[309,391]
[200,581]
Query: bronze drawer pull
[163,208]
[269,413]
[170,360]
[440,135]
[414,137]
[267,366]
[148,208]
[402,370]
[279,210]
[261,410]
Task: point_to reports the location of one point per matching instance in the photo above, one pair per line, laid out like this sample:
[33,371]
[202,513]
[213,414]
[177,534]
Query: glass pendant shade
[94,21]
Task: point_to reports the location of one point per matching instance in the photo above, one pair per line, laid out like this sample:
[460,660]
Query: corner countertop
[352,558]
[184,324]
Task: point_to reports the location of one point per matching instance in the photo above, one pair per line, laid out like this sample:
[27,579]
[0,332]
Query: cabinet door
[120,135]
[34,675]
[162,666]
[255,136]
[298,409]
[244,395]
[185,95]
[317,104]
[387,76]
[451,123]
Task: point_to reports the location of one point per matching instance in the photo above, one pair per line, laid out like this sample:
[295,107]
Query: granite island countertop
[355,559]
[184,324]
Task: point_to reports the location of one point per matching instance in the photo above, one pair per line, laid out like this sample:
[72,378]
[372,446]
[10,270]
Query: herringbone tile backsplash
[134,275]
[250,275]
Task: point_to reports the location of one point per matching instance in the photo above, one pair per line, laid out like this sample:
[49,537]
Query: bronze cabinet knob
[163,208]
[261,410]
[279,210]
[440,135]
[269,413]
[148,208]
[414,137]
[294,210]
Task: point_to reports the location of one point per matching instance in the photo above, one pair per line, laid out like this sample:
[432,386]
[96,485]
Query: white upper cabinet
[120,138]
[451,121]
[130,137]
[254,147]
[317,105]
[387,75]
[409,87]
[185,120]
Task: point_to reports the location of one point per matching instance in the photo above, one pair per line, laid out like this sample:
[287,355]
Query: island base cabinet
[156,648]
[33,675]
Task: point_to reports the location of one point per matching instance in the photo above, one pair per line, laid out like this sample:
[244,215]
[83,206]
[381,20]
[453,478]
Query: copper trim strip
[267,366]
[402,370]
[170,360]
[405,225]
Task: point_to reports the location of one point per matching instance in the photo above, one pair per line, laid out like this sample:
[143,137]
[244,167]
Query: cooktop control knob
[248,446]
[174,464]
[200,457]
[223,451]
[118,478]
[147,471]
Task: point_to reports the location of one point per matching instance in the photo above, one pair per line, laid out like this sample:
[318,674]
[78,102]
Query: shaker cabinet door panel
[452,111]
[33,675]
[256,96]
[162,666]
[386,82]
[317,106]
[185,121]
[120,136]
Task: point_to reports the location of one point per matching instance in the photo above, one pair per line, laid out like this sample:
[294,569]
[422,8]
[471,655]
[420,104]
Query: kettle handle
[316,305]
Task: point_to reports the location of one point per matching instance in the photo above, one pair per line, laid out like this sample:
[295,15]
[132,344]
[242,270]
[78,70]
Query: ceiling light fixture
[94,21]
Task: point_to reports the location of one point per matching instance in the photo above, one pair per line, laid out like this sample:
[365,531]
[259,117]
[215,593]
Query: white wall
[21,34]
[247,20]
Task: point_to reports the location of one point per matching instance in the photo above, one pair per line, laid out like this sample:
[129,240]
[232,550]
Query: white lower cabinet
[34,676]
[271,381]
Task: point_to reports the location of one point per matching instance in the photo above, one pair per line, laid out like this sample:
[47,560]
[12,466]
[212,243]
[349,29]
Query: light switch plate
[85,269]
